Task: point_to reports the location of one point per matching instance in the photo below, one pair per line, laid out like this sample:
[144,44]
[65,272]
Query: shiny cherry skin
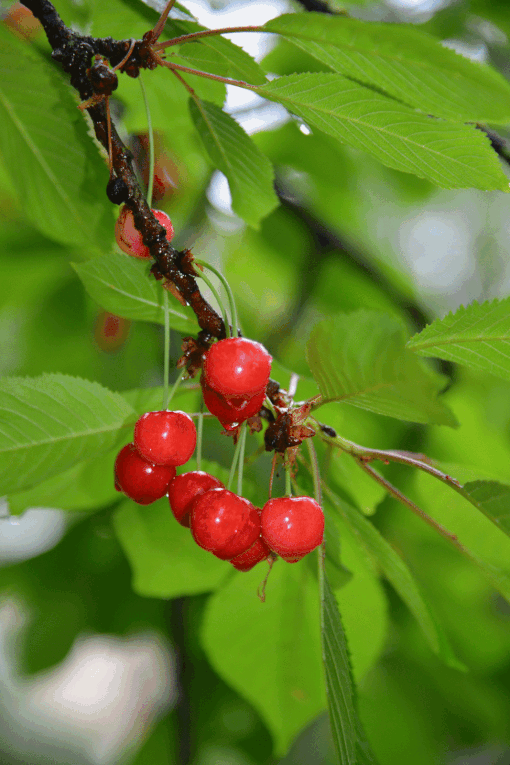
[185,488]
[237,367]
[224,523]
[292,526]
[231,412]
[130,239]
[258,552]
[138,479]
[165,438]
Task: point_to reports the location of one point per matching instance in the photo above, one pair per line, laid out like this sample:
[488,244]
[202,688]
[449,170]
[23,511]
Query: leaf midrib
[10,109]
[392,136]
[459,340]
[419,63]
[63,438]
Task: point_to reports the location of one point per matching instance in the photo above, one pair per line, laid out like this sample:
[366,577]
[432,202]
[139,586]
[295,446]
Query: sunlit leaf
[360,359]
[165,560]
[50,423]
[346,730]
[479,538]
[477,335]
[87,486]
[450,155]
[122,284]
[249,173]
[493,499]
[398,574]
[404,61]
[274,656]
[45,145]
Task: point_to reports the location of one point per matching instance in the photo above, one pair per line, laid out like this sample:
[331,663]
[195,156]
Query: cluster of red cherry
[235,373]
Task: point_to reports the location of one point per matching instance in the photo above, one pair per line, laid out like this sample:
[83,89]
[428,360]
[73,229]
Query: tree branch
[74,52]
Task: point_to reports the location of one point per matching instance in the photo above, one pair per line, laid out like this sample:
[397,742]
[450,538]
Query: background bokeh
[94,673]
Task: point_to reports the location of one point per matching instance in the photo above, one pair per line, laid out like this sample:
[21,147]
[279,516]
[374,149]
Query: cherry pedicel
[165,438]
[292,526]
[237,367]
[185,488]
[231,412]
[224,523]
[130,239]
[258,552]
[141,480]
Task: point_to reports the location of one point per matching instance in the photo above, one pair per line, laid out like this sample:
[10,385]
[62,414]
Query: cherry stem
[269,404]
[205,33]
[228,290]
[109,128]
[242,441]
[288,490]
[166,351]
[150,135]
[200,432]
[271,477]
[315,471]
[234,463]
[176,384]
[218,299]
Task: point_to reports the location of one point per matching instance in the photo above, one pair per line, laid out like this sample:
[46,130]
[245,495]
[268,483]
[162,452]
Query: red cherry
[224,523]
[237,367]
[130,239]
[187,487]
[138,479]
[247,560]
[165,438]
[230,412]
[292,526]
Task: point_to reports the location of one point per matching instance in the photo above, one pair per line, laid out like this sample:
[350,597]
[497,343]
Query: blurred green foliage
[348,234]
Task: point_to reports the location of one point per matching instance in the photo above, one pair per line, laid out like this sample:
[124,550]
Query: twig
[411,505]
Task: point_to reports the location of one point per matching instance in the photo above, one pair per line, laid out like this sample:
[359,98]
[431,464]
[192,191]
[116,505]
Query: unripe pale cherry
[185,488]
[258,552]
[130,239]
[165,438]
[141,480]
[292,526]
[231,411]
[237,367]
[224,523]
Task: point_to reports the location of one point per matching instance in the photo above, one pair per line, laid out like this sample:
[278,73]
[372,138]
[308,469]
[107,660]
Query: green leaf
[53,163]
[87,486]
[398,574]
[482,542]
[477,335]
[248,171]
[345,725]
[493,499]
[122,284]
[364,491]
[187,398]
[273,657]
[360,359]
[450,155]
[403,61]
[206,60]
[237,64]
[166,561]
[50,423]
